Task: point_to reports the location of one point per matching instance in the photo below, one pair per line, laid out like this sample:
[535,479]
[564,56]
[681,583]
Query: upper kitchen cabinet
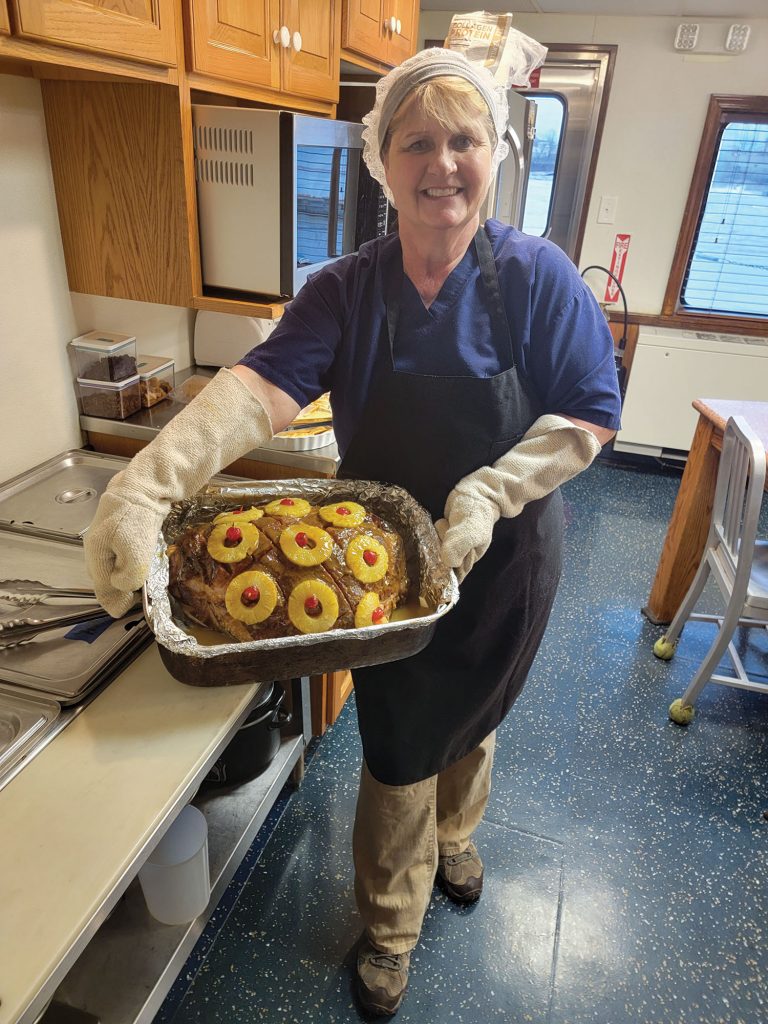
[140,30]
[289,46]
[382,30]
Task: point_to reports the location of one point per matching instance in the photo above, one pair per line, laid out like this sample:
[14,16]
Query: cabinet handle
[399,27]
[282,36]
[390,24]
[297,43]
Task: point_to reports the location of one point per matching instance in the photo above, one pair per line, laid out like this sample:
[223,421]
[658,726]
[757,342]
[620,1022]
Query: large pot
[255,743]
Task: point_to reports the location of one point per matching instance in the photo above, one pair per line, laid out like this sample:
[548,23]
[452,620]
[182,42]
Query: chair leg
[714,654]
[664,647]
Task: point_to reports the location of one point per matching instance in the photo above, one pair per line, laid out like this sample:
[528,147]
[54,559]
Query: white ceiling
[672,8]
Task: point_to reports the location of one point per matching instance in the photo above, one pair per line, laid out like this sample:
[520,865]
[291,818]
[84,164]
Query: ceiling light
[686,36]
[736,40]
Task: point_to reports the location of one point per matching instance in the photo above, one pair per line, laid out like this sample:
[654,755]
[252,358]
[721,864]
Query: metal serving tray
[23,722]
[63,663]
[58,498]
[288,657]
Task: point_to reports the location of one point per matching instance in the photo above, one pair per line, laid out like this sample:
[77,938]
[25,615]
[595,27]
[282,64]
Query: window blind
[728,268]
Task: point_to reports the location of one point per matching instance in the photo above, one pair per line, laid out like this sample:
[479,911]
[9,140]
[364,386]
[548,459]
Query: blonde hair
[453,102]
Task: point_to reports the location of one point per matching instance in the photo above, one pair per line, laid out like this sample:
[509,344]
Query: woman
[471,366]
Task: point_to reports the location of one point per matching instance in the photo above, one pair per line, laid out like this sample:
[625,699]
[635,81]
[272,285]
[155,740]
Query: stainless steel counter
[146,423]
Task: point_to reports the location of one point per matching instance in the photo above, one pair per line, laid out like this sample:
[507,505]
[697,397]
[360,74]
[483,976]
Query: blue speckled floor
[626,859]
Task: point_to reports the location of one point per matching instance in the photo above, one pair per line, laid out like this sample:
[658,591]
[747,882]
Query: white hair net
[393,88]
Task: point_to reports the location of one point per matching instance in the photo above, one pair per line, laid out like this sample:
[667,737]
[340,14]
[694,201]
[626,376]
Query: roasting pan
[432,586]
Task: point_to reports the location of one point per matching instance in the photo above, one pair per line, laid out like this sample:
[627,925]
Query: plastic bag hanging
[489,40]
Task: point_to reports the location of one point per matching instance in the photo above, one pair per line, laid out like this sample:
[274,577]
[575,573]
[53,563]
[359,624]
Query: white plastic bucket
[175,879]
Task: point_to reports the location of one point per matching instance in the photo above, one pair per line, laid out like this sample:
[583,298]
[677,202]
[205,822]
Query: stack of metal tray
[45,680]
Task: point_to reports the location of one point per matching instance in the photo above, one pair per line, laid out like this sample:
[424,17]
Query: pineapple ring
[261,608]
[304,554]
[369,604]
[296,508]
[221,552]
[355,558]
[248,516]
[297,610]
[352,515]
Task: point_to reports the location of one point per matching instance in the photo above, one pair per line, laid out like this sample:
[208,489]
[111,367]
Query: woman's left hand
[466,531]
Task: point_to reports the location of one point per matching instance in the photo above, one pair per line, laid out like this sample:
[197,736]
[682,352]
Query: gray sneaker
[380,979]
[461,875]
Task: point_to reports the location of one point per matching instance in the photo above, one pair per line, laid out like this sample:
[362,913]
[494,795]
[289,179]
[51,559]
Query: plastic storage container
[101,355]
[112,400]
[157,379]
[175,879]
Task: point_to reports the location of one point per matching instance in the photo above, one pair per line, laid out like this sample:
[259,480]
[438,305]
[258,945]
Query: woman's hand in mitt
[119,548]
[224,422]
[553,450]
[466,531]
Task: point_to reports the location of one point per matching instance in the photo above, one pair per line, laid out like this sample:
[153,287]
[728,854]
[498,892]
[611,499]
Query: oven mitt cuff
[224,422]
[552,451]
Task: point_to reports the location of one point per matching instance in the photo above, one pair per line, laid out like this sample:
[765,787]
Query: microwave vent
[224,172]
[224,140]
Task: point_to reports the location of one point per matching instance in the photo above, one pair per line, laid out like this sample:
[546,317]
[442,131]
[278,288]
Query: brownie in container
[102,355]
[112,400]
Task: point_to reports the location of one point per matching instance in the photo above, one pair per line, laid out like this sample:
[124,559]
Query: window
[550,118]
[721,263]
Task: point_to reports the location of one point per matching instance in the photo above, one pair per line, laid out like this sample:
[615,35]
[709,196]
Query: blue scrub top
[330,335]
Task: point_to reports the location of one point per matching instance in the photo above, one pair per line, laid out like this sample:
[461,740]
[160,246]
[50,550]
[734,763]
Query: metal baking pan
[288,657]
[58,498]
[63,663]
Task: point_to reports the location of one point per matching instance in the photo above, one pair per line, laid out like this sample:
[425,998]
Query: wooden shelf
[268,309]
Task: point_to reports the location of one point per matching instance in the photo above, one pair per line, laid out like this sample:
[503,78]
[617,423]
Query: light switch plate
[606,213]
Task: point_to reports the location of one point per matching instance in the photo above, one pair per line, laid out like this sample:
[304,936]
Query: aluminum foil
[429,580]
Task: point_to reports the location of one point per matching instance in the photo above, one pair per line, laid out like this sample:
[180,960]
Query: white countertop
[79,820]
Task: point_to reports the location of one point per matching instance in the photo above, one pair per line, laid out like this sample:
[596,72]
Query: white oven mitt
[552,451]
[224,422]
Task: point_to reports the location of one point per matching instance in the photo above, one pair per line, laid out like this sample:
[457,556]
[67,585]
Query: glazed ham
[285,568]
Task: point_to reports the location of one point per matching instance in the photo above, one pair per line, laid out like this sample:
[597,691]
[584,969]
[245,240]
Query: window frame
[722,111]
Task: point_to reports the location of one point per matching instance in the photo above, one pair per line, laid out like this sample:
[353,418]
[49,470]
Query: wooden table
[689,525]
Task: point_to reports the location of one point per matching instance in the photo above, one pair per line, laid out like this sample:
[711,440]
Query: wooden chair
[737,561]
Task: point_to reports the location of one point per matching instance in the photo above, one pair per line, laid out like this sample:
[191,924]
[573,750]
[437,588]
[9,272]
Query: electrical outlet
[606,212]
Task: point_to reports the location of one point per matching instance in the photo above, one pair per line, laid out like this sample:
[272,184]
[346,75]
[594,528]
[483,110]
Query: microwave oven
[279,195]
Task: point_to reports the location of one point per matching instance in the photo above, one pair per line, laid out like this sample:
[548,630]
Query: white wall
[652,131]
[38,314]
[38,416]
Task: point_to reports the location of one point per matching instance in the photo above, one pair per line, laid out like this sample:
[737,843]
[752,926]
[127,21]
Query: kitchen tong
[16,631]
[26,592]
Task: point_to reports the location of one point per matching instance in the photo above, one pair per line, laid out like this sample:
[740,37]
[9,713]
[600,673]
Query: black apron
[424,433]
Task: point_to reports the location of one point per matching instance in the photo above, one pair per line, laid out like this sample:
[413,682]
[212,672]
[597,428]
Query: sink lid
[58,498]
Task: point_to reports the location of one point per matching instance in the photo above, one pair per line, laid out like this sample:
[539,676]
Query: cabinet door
[363,28]
[233,39]
[141,30]
[5,24]
[313,69]
[401,42]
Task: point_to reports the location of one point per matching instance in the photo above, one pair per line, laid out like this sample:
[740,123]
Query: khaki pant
[399,833]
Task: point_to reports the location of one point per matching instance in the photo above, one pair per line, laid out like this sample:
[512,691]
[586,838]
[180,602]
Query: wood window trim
[721,110]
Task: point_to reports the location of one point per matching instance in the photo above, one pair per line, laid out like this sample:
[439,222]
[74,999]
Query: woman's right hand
[118,548]
[225,421]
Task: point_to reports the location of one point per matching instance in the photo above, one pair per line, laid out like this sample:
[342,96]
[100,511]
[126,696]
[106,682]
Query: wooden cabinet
[142,30]
[382,30]
[5,24]
[285,45]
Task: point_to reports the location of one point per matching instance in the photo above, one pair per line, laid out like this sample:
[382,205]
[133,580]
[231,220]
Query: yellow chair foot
[681,714]
[664,648]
